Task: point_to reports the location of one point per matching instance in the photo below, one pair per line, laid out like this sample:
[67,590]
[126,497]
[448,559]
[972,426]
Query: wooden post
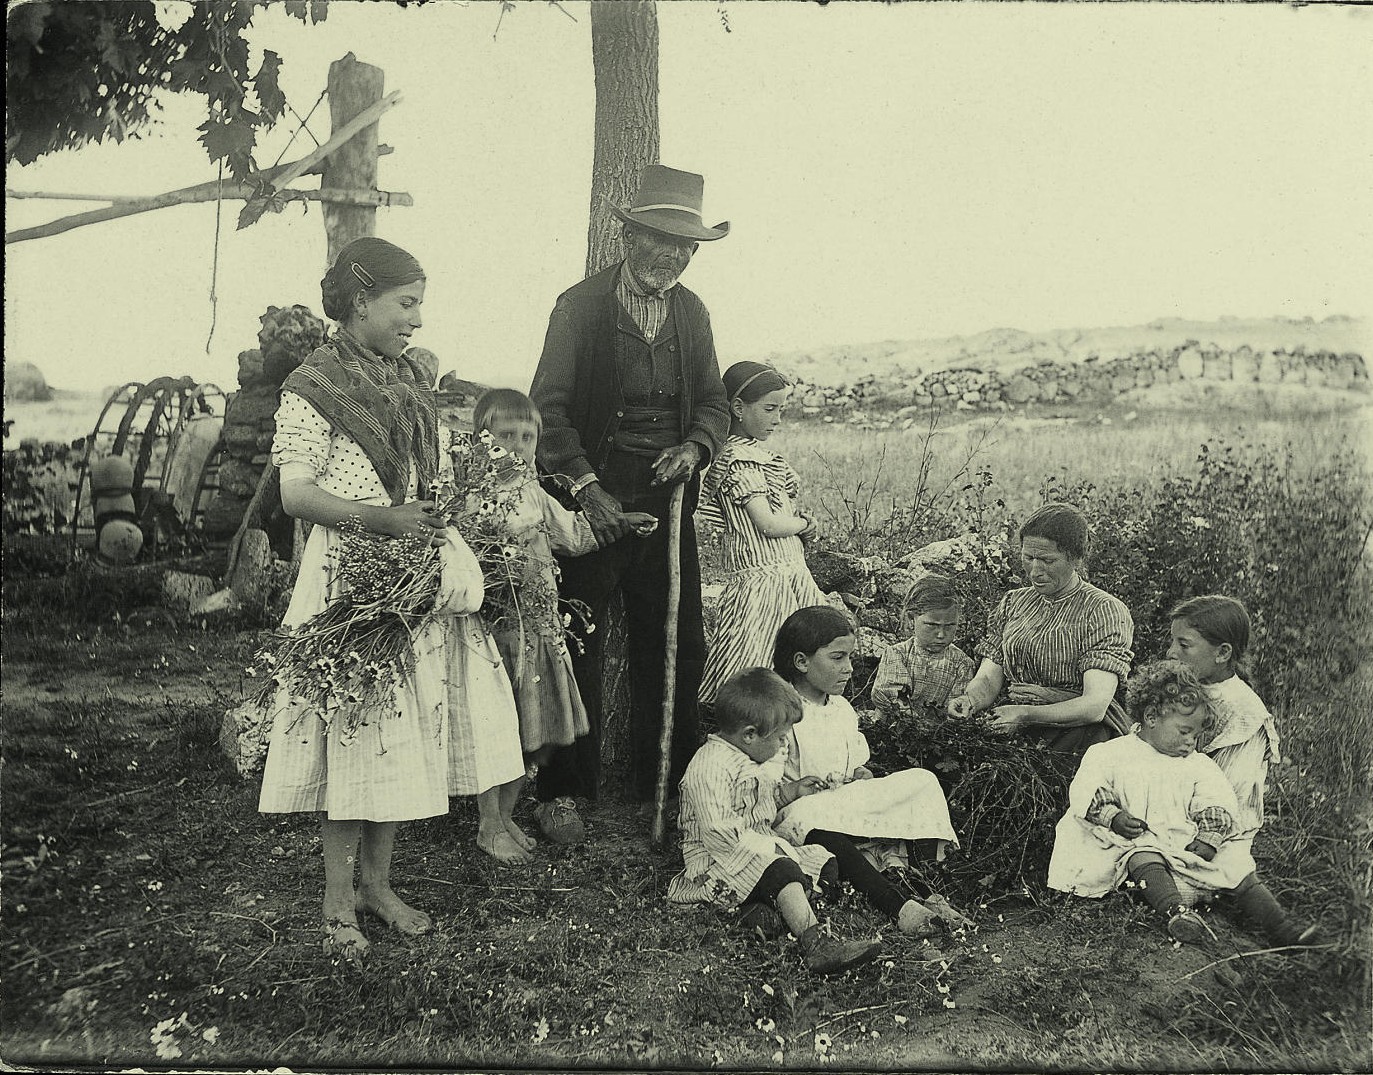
[353,87]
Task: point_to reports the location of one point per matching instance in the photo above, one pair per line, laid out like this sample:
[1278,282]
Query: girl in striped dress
[1209,635]
[752,492]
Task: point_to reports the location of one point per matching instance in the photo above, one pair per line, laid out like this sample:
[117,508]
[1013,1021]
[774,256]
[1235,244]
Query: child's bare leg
[509,797]
[492,835]
[375,894]
[340,840]
[796,910]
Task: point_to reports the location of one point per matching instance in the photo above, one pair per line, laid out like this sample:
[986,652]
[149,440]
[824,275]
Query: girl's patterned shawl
[387,407]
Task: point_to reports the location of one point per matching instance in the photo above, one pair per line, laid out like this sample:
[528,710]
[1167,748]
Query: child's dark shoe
[1187,927]
[1296,935]
[560,822]
[829,955]
[762,921]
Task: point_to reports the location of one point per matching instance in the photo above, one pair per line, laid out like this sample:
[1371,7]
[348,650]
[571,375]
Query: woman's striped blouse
[1051,642]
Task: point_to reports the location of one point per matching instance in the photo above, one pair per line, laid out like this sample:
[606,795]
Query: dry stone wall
[287,337]
[1095,379]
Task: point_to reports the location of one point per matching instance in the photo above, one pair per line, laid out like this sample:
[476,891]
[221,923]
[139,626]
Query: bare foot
[394,911]
[502,847]
[343,937]
[520,836]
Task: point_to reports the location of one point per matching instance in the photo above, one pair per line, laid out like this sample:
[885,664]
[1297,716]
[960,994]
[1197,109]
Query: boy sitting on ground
[730,795]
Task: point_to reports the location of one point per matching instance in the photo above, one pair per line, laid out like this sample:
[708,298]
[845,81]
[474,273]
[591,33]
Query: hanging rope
[301,126]
[214,262]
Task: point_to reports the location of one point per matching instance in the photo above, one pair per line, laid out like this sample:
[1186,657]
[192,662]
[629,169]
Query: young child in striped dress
[928,667]
[752,493]
[536,658]
[730,795]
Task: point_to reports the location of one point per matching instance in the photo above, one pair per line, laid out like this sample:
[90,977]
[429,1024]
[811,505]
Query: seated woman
[1056,649]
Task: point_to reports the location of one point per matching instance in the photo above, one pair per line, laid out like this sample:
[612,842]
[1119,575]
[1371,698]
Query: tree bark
[353,87]
[624,55]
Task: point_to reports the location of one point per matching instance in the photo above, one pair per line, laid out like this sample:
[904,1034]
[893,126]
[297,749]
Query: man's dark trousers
[638,566]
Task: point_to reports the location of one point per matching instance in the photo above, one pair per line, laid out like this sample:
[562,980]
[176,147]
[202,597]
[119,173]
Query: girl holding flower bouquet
[359,729]
[530,628]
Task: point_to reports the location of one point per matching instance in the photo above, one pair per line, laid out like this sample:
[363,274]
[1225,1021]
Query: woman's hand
[1127,825]
[1010,718]
[961,707]
[417,517]
[861,773]
[808,530]
[1202,849]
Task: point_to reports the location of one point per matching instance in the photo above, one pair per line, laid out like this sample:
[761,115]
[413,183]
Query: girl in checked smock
[752,492]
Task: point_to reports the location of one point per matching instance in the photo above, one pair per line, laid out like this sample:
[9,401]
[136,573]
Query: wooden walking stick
[674,599]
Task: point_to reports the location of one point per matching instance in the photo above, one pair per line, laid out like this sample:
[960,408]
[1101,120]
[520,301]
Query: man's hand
[862,772]
[678,463]
[1202,849]
[603,513]
[1127,825]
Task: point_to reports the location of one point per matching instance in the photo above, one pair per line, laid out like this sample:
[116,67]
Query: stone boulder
[836,572]
[25,381]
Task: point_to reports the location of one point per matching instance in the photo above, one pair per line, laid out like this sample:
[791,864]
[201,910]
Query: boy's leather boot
[829,955]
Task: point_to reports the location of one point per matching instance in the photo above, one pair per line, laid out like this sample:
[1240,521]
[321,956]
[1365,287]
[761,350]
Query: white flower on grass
[172,15]
[540,1031]
[211,1035]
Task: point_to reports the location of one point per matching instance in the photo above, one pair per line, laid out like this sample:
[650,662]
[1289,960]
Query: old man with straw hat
[633,406]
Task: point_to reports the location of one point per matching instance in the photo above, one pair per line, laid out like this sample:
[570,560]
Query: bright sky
[891,172]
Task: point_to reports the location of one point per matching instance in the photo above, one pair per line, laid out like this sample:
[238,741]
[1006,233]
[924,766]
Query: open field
[1130,443]
[153,917]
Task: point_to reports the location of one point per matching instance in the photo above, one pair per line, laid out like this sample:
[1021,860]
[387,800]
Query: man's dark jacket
[577,385]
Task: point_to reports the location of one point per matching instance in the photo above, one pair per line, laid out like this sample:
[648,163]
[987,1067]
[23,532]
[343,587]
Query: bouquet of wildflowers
[345,661]
[521,593]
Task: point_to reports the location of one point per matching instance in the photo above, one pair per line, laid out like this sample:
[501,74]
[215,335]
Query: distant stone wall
[1093,379]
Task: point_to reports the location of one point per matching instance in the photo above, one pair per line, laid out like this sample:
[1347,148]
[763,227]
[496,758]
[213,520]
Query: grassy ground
[152,916]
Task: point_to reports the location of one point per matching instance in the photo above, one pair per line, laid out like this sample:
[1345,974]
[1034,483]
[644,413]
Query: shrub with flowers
[1005,792]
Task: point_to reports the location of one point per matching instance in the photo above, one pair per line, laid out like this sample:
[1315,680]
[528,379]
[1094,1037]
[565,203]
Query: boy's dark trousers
[638,566]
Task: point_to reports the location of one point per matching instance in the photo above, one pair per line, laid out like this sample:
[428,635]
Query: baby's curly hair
[1159,684]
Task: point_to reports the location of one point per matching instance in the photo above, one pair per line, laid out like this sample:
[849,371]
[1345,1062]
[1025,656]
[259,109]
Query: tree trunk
[624,54]
[353,87]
